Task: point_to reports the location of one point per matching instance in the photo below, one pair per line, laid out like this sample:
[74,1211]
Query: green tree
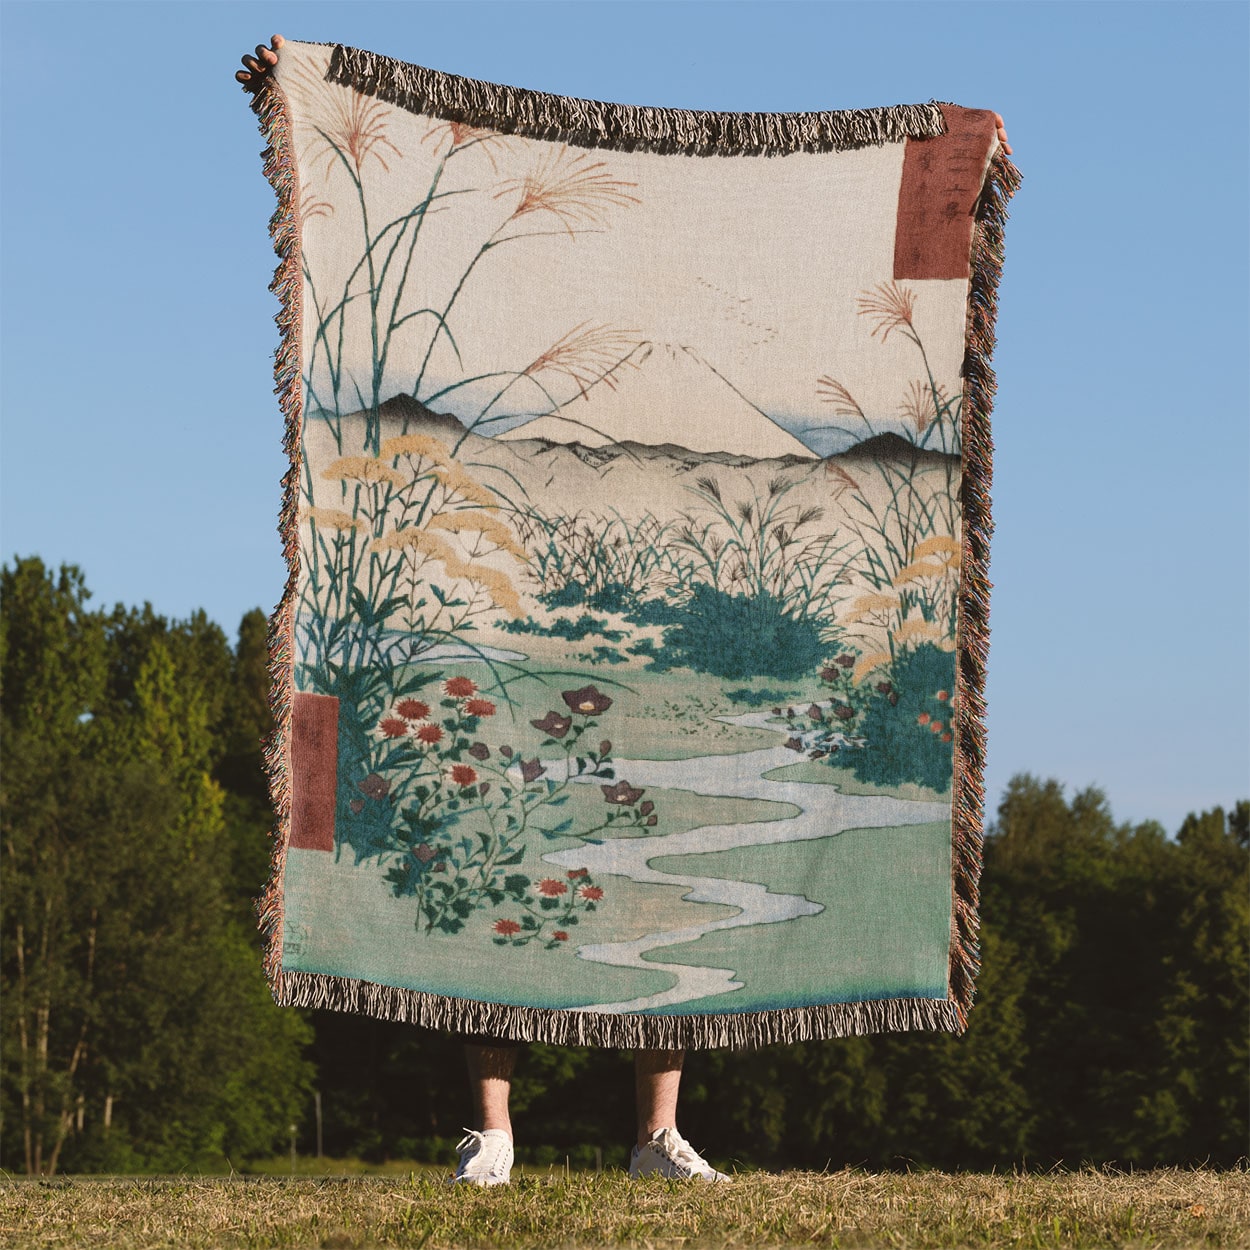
[882,1101]
[1197,1109]
[1134,946]
[52,673]
[246,725]
[140,1031]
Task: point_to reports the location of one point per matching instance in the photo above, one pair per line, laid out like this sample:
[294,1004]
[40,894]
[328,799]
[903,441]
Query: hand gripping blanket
[628,678]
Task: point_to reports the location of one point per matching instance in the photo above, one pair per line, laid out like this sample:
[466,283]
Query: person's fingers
[1002,133]
[260,64]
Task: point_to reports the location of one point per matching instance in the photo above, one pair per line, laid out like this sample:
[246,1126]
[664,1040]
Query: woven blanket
[628,678]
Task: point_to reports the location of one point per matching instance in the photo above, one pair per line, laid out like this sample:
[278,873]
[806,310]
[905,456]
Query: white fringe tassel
[565,1027]
[627,127]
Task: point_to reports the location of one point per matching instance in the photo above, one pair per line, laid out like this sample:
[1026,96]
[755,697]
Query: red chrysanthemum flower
[551,888]
[459,687]
[412,709]
[479,707]
[591,893]
[462,775]
[560,935]
[506,928]
[946,737]
[923,718]
[428,733]
[943,695]
[393,727]
[936,727]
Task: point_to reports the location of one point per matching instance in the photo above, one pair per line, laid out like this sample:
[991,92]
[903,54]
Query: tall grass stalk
[761,545]
[598,552]
[909,524]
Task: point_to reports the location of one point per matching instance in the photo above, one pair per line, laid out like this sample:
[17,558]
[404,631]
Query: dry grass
[1165,1207]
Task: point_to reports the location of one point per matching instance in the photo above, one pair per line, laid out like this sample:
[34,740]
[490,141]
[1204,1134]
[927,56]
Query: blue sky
[141,439]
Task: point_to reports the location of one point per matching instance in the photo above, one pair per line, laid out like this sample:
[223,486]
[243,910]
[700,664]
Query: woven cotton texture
[628,679]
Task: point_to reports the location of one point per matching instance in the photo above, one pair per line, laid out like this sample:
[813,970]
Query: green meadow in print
[636,614]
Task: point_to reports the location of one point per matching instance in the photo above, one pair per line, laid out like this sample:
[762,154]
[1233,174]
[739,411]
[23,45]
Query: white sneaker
[668,1153]
[485,1158]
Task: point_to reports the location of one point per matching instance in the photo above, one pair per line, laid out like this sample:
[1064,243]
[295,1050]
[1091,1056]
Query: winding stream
[823,811]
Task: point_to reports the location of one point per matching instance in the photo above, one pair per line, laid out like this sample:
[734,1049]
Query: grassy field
[1165,1207]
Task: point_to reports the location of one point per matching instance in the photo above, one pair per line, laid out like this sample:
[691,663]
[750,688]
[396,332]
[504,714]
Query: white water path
[823,811]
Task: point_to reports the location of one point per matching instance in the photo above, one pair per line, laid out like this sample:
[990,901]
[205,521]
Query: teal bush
[760,698]
[612,597]
[899,748]
[585,626]
[739,636]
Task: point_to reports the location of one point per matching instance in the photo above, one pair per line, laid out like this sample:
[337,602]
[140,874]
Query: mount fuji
[665,395]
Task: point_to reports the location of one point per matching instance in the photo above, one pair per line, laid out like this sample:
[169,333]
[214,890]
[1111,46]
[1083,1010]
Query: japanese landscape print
[625,623]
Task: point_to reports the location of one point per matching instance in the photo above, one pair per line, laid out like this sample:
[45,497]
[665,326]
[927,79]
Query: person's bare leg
[490,1079]
[657,1078]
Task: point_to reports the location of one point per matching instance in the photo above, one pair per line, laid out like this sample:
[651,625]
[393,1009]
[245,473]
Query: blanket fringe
[973,641]
[564,1027]
[284,229]
[625,127]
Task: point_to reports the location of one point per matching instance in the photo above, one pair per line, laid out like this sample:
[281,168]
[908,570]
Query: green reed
[915,500]
[599,553]
[760,544]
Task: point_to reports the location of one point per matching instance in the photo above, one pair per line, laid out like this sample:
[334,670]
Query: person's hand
[998,117]
[259,65]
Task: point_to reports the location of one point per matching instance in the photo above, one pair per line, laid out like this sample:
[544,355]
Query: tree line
[137,1031]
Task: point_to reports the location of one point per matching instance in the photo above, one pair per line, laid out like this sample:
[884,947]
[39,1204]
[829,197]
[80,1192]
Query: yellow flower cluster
[420,445]
[937,544]
[457,482]
[495,582]
[867,604]
[362,469]
[418,540]
[332,518]
[491,528]
[868,663]
[916,627]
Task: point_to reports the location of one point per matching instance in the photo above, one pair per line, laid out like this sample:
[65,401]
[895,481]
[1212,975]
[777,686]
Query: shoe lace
[474,1144]
[683,1153]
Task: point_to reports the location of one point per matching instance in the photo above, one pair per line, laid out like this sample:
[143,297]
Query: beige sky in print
[749,264]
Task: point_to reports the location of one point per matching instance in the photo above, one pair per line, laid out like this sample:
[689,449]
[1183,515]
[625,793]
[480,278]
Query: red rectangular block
[314,770]
[942,178]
